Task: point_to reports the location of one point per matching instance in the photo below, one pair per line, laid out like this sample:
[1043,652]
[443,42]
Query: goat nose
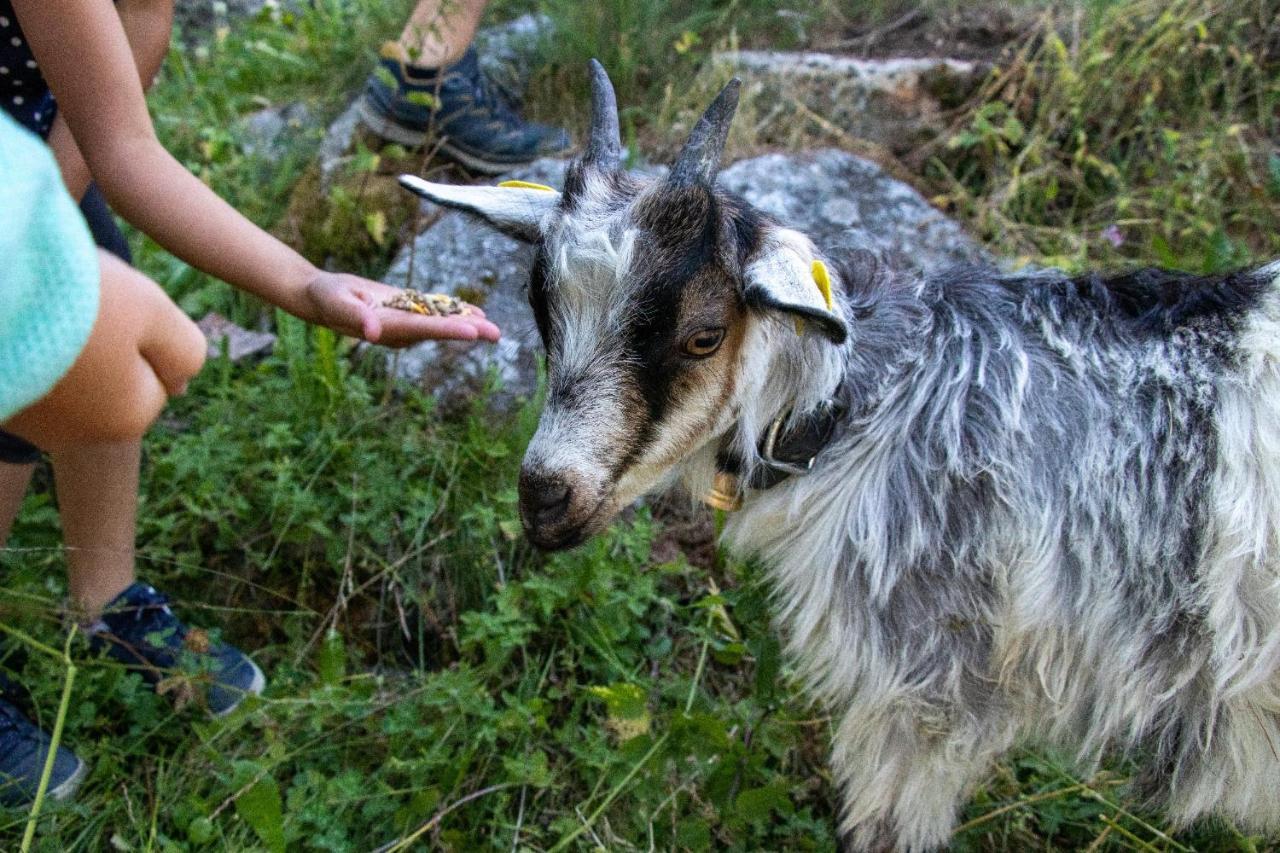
[544,498]
[551,496]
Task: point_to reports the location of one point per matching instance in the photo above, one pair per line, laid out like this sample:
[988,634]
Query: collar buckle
[725,494]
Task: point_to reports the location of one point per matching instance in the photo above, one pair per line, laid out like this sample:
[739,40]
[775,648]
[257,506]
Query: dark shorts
[15,451]
[106,234]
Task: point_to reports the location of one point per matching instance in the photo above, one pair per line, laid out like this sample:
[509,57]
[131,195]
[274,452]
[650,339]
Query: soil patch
[683,528]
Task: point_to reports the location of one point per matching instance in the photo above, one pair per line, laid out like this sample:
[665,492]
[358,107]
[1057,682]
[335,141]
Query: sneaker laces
[150,612]
[489,95]
[150,607]
[486,93]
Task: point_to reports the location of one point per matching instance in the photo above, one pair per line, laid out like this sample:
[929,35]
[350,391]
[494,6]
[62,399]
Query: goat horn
[604,146]
[699,160]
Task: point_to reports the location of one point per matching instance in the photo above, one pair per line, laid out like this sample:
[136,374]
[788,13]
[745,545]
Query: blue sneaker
[476,125]
[140,630]
[24,748]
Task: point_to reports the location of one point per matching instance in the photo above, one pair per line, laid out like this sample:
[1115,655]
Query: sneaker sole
[477,164]
[67,789]
[398,133]
[387,129]
[255,688]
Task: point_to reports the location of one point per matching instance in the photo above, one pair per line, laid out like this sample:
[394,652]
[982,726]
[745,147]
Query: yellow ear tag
[525,185]
[823,280]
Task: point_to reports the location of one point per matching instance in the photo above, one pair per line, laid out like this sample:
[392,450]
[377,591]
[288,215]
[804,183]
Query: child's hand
[354,306]
[142,350]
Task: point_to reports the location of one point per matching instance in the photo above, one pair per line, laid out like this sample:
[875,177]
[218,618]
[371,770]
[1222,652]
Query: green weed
[420,652]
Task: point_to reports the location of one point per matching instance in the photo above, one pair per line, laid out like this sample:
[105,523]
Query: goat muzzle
[558,509]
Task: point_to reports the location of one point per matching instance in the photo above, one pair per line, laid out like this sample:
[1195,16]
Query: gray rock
[842,201]
[268,132]
[898,102]
[335,148]
[241,343]
[460,257]
[845,202]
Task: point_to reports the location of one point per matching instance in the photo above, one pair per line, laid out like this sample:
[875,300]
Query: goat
[999,509]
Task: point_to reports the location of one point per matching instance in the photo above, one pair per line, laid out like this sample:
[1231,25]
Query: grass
[434,682]
[1151,138]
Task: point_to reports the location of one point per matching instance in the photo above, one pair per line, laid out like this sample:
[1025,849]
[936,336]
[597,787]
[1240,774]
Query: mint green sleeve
[48,272]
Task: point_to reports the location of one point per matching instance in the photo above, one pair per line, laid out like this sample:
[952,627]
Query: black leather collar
[784,453]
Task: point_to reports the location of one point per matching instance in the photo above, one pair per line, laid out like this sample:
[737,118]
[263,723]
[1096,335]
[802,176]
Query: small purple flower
[1113,235]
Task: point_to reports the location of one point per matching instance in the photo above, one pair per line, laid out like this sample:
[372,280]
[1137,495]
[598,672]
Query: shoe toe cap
[238,677]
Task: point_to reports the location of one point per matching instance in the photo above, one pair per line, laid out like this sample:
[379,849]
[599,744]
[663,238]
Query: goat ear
[785,276]
[515,208]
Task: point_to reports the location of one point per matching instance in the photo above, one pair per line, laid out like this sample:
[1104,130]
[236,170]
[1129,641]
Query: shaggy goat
[998,509]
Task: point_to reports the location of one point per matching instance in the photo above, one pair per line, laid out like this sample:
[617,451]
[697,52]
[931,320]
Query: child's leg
[13,487]
[142,348]
[98,502]
[440,31]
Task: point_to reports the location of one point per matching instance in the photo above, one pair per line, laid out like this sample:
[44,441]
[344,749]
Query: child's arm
[85,56]
[147,24]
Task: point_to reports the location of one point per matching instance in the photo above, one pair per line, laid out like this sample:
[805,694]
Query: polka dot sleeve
[23,91]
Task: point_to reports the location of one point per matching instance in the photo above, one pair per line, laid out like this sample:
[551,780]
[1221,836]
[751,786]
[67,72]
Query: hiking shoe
[139,629]
[24,748]
[475,123]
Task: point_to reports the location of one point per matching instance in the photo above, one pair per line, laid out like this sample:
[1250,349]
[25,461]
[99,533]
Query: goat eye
[703,343]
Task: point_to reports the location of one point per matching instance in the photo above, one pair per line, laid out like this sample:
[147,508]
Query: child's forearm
[81,46]
[84,53]
[225,243]
[152,190]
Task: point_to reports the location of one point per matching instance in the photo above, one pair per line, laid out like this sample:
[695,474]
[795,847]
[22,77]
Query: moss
[477,295]
[949,89]
[352,221]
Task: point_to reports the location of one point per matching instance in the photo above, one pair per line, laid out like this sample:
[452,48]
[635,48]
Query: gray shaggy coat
[1052,517]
